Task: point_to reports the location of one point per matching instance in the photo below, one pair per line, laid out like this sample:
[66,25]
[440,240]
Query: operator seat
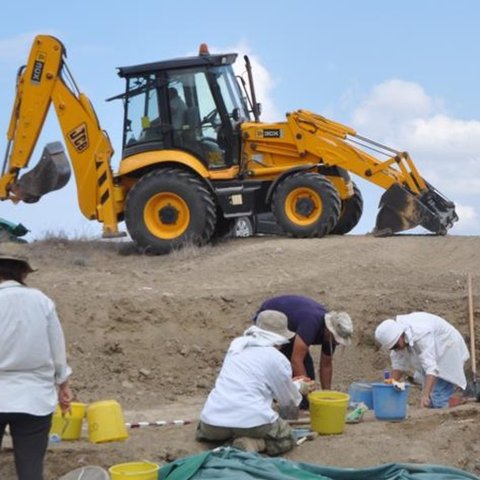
[192,130]
[177,109]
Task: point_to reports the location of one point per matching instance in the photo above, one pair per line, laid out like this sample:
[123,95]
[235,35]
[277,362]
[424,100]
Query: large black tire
[306,204]
[350,213]
[168,208]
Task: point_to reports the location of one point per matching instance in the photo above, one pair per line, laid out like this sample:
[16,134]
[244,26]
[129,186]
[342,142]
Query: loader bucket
[402,210]
[51,173]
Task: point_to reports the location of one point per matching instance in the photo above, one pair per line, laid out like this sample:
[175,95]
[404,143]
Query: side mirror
[258,108]
[236,114]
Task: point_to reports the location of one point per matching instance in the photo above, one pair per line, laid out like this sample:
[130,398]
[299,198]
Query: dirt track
[151,332]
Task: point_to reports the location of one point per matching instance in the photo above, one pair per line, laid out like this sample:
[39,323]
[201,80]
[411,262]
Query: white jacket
[250,379]
[434,346]
[32,351]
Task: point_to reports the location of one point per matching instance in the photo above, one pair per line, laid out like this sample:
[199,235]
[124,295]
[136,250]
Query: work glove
[399,386]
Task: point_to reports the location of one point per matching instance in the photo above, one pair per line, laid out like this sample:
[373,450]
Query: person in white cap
[32,364]
[253,375]
[313,324]
[432,348]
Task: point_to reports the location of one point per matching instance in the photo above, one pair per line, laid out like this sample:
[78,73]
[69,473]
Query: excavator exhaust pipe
[51,173]
[401,210]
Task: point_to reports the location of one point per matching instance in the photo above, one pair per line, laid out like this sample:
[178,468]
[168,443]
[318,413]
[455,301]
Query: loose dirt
[151,333]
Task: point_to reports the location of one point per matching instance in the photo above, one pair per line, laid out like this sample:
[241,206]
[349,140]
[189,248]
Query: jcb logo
[38,67]
[79,138]
[37,71]
[270,133]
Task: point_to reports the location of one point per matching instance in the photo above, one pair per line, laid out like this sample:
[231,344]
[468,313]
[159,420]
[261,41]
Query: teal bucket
[388,402]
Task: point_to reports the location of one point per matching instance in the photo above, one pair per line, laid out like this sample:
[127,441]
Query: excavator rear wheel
[306,204]
[350,213]
[168,208]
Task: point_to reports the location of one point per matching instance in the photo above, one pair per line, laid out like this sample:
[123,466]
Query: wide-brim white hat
[341,326]
[275,322]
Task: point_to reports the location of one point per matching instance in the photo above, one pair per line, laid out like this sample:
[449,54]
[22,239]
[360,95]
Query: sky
[405,74]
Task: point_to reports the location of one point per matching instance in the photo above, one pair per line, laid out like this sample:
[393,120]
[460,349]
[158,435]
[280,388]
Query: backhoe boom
[40,84]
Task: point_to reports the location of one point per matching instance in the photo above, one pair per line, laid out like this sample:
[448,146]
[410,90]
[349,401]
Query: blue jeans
[441,393]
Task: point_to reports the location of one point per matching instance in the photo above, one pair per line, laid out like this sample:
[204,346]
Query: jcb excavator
[195,156]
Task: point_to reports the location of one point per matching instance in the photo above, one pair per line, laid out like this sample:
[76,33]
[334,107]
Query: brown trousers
[278,436]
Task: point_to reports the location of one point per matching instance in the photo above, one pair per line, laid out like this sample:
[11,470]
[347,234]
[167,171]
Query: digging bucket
[328,410]
[68,426]
[106,422]
[134,471]
[390,403]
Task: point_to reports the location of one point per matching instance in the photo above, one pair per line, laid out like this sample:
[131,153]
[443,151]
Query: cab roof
[177,64]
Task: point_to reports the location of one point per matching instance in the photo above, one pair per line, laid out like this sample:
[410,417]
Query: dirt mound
[151,332]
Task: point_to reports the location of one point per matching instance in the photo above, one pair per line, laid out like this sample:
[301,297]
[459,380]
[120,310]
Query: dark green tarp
[10,231]
[232,464]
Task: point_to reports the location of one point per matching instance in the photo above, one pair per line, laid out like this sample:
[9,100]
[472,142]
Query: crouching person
[253,375]
[433,348]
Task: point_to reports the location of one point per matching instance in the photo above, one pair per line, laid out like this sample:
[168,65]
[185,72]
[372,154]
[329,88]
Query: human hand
[304,385]
[425,401]
[65,397]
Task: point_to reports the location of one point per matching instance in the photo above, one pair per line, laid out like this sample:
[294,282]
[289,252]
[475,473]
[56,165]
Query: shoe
[455,401]
[249,444]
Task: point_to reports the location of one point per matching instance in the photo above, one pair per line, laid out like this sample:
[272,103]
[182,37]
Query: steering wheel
[210,117]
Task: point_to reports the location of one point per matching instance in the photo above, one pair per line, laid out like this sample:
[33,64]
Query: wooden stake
[472,327]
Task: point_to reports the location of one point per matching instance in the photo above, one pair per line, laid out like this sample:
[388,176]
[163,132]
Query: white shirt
[246,386]
[32,351]
[434,345]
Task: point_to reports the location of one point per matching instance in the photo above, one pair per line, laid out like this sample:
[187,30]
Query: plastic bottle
[55,438]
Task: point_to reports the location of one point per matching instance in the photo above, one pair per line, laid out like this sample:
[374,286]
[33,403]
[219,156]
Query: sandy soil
[151,333]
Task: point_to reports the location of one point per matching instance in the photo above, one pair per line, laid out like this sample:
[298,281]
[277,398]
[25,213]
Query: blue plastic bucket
[361,392]
[388,402]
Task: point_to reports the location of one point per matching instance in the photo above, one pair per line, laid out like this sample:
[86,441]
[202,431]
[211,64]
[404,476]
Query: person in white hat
[32,363]
[313,324]
[253,375]
[432,348]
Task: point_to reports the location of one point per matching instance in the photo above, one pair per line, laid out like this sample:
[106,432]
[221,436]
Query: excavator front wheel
[168,208]
[306,204]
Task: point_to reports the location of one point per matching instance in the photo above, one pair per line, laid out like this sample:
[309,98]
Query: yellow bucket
[134,471]
[105,422]
[328,410]
[68,427]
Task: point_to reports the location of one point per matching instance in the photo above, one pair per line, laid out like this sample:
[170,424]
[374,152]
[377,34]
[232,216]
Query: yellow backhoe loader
[195,156]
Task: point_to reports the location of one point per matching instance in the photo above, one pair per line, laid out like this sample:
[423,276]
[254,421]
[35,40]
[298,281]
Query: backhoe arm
[39,84]
[319,142]
[339,145]
[408,201]
[32,101]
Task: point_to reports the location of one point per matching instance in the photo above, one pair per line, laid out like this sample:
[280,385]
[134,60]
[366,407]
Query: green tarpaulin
[11,231]
[232,464]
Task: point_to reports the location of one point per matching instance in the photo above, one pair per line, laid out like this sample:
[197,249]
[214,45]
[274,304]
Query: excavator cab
[192,104]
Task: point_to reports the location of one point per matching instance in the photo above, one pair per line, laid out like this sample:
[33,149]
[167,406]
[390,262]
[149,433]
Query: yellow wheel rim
[303,206]
[166,215]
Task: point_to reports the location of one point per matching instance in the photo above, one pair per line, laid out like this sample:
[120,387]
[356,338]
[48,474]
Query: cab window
[143,119]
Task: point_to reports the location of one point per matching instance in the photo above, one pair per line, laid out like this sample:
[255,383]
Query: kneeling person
[253,375]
